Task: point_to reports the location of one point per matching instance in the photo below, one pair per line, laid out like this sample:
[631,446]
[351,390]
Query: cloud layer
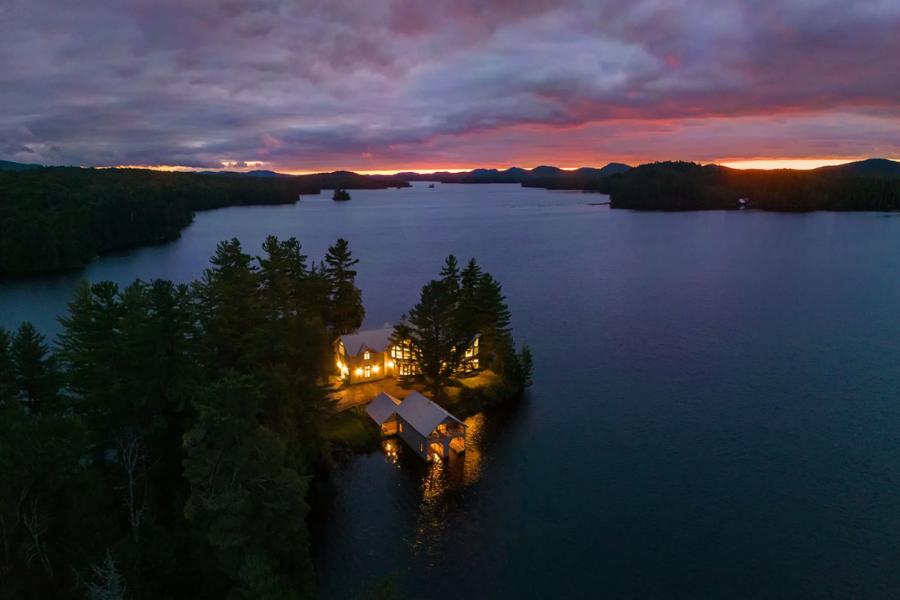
[393,84]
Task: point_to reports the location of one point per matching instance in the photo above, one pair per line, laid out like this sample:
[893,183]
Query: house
[371,355]
[428,430]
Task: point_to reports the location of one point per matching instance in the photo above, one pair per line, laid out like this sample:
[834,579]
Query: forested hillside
[690,186]
[55,218]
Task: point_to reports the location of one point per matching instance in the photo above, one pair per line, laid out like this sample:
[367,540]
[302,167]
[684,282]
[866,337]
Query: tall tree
[439,342]
[248,500]
[470,276]
[91,350]
[8,386]
[228,305]
[450,274]
[36,370]
[346,299]
[491,315]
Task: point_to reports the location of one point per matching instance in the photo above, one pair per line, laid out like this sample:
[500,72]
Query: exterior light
[375,368]
[390,363]
[359,371]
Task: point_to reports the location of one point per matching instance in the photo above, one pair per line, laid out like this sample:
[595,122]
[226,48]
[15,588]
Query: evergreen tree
[346,299]
[470,277]
[228,306]
[36,370]
[491,315]
[242,492]
[43,485]
[8,385]
[439,343]
[469,280]
[450,274]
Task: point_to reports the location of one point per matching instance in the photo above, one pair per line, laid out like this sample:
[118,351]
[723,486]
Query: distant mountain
[247,173]
[325,181]
[870,166]
[586,178]
[6,165]
[544,171]
[610,169]
[347,180]
[267,174]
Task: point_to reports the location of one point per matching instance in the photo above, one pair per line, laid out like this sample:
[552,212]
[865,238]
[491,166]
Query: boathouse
[371,355]
[428,430]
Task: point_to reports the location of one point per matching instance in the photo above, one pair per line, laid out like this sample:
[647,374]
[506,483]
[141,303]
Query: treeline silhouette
[56,218]
[690,186]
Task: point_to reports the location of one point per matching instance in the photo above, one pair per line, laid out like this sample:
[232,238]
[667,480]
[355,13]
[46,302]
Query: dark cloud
[371,84]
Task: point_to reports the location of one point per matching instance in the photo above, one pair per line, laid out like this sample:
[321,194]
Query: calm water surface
[715,410]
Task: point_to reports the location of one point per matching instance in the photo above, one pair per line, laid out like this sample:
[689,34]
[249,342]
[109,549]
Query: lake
[715,410]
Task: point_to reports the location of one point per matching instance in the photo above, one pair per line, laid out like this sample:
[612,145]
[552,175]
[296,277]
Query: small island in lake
[341,195]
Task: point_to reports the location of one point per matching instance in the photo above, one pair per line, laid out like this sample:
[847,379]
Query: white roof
[376,340]
[423,414]
[382,407]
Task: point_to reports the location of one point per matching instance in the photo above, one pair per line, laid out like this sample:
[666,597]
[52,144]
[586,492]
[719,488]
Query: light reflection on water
[442,484]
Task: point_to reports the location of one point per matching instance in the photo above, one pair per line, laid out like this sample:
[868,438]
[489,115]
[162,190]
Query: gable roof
[382,407]
[422,414]
[376,340]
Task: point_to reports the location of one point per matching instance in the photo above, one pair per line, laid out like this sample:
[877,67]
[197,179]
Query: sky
[393,85]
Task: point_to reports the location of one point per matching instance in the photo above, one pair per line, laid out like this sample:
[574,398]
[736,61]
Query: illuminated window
[400,427]
[468,352]
[366,355]
[368,374]
[475,362]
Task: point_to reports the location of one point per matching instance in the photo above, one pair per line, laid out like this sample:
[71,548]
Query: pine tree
[439,343]
[470,277]
[251,505]
[91,348]
[491,314]
[450,274]
[37,377]
[346,299]
[228,306]
[8,386]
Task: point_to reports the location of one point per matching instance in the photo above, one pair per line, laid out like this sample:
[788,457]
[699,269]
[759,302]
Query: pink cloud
[270,142]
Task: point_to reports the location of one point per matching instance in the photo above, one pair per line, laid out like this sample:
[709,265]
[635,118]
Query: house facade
[426,428]
[370,355]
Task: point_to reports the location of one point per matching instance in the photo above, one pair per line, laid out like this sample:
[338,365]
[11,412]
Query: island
[341,195]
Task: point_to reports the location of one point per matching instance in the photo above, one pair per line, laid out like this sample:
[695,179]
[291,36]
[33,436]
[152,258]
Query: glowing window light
[366,355]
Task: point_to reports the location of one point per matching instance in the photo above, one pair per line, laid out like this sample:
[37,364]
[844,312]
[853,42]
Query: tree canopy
[441,327]
[168,424]
[690,186]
